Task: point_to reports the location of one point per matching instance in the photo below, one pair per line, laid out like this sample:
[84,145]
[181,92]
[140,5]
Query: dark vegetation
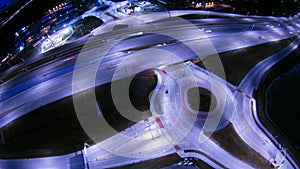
[201,99]
[279,121]
[238,63]
[55,130]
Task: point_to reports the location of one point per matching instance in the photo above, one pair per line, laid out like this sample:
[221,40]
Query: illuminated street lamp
[233,9]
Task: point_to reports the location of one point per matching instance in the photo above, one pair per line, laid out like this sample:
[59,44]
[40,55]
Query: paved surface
[174,126]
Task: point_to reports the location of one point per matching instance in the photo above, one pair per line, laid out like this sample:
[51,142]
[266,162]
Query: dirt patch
[55,130]
[50,130]
[229,140]
[201,99]
[155,163]
[172,161]
[239,62]
[139,90]
[286,64]
[283,107]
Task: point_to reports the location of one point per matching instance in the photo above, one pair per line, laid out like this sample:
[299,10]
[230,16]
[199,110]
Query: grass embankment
[55,130]
[260,95]
[239,62]
[230,141]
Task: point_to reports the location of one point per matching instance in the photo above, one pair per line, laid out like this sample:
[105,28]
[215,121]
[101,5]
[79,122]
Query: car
[208,30]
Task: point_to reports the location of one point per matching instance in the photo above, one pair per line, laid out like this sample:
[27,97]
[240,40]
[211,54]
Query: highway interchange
[167,47]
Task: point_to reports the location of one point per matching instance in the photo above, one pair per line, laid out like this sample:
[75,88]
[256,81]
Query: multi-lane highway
[167,46]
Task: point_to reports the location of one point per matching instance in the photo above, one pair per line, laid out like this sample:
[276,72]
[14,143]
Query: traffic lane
[176,98]
[128,44]
[230,17]
[71,59]
[62,50]
[219,29]
[211,149]
[252,79]
[122,158]
[45,163]
[52,90]
[111,64]
[217,20]
[248,130]
[148,41]
[247,86]
[214,151]
[39,74]
[40,95]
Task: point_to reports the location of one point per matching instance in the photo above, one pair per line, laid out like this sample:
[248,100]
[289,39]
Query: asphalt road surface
[166,46]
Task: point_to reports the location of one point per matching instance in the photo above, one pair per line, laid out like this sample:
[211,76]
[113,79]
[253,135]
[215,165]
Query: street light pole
[84,155]
[252,27]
